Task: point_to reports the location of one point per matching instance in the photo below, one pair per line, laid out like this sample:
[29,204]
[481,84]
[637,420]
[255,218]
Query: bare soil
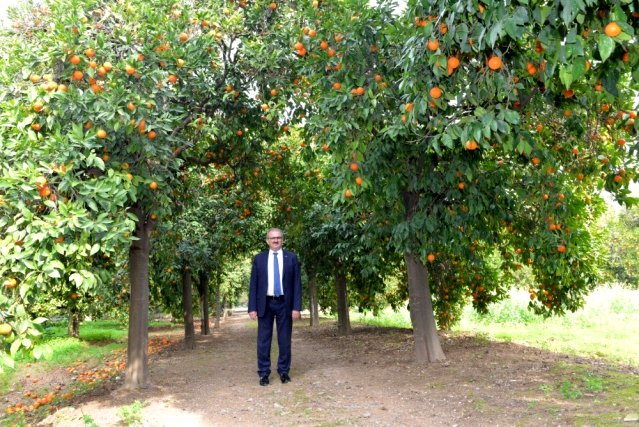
[365,379]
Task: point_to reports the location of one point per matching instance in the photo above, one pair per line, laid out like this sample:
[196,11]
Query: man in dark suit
[275,294]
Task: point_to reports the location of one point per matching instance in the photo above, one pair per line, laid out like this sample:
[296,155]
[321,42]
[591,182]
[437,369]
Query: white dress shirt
[280,261]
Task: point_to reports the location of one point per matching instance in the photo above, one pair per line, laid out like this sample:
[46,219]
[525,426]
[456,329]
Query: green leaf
[565,75]
[606,46]
[15,346]
[95,248]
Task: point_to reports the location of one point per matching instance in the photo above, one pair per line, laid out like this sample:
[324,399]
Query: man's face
[274,240]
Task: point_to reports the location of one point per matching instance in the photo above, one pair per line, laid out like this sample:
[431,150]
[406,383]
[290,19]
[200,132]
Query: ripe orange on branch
[612,29]
[10,283]
[471,144]
[432,45]
[495,63]
[435,93]
[5,329]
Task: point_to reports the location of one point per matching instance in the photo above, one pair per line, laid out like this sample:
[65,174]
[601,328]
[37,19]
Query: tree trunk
[312,296]
[73,328]
[218,302]
[427,345]
[137,369]
[343,319]
[187,306]
[203,288]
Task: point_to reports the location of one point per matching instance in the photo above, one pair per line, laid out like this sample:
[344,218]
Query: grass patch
[98,338]
[606,396]
[607,326]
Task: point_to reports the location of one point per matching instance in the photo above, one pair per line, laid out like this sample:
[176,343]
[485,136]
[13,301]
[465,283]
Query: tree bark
[187,307]
[203,290]
[343,319]
[427,345]
[73,327]
[137,369]
[218,302]
[312,296]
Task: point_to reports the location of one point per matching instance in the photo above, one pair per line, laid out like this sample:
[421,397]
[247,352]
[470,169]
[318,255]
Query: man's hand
[296,315]
[253,315]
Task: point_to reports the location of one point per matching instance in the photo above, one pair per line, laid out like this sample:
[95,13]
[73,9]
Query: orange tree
[105,102]
[477,128]
[219,225]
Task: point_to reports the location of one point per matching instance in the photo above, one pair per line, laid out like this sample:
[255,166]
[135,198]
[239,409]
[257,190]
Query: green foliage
[131,415]
[623,239]
[89,421]
[570,391]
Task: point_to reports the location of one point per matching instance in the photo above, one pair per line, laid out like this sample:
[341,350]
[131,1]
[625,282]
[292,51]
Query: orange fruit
[409,107]
[90,53]
[432,45]
[348,193]
[621,142]
[153,185]
[77,75]
[435,93]
[5,329]
[38,106]
[453,62]
[359,180]
[354,167]
[569,93]
[107,66]
[10,283]
[430,257]
[273,6]
[183,37]
[495,63]
[471,144]
[130,106]
[612,29]
[323,45]
[36,126]
[75,60]
[129,70]
[101,133]
[337,85]
[561,248]
[173,78]
[152,134]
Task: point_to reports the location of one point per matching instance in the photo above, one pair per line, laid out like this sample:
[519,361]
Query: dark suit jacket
[291,282]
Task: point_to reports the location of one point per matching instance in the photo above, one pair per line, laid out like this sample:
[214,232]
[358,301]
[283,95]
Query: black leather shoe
[285,378]
[264,380]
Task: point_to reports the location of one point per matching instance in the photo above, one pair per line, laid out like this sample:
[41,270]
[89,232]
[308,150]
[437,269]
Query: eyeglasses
[275,238]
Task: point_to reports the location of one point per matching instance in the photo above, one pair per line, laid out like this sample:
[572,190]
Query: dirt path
[366,379]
